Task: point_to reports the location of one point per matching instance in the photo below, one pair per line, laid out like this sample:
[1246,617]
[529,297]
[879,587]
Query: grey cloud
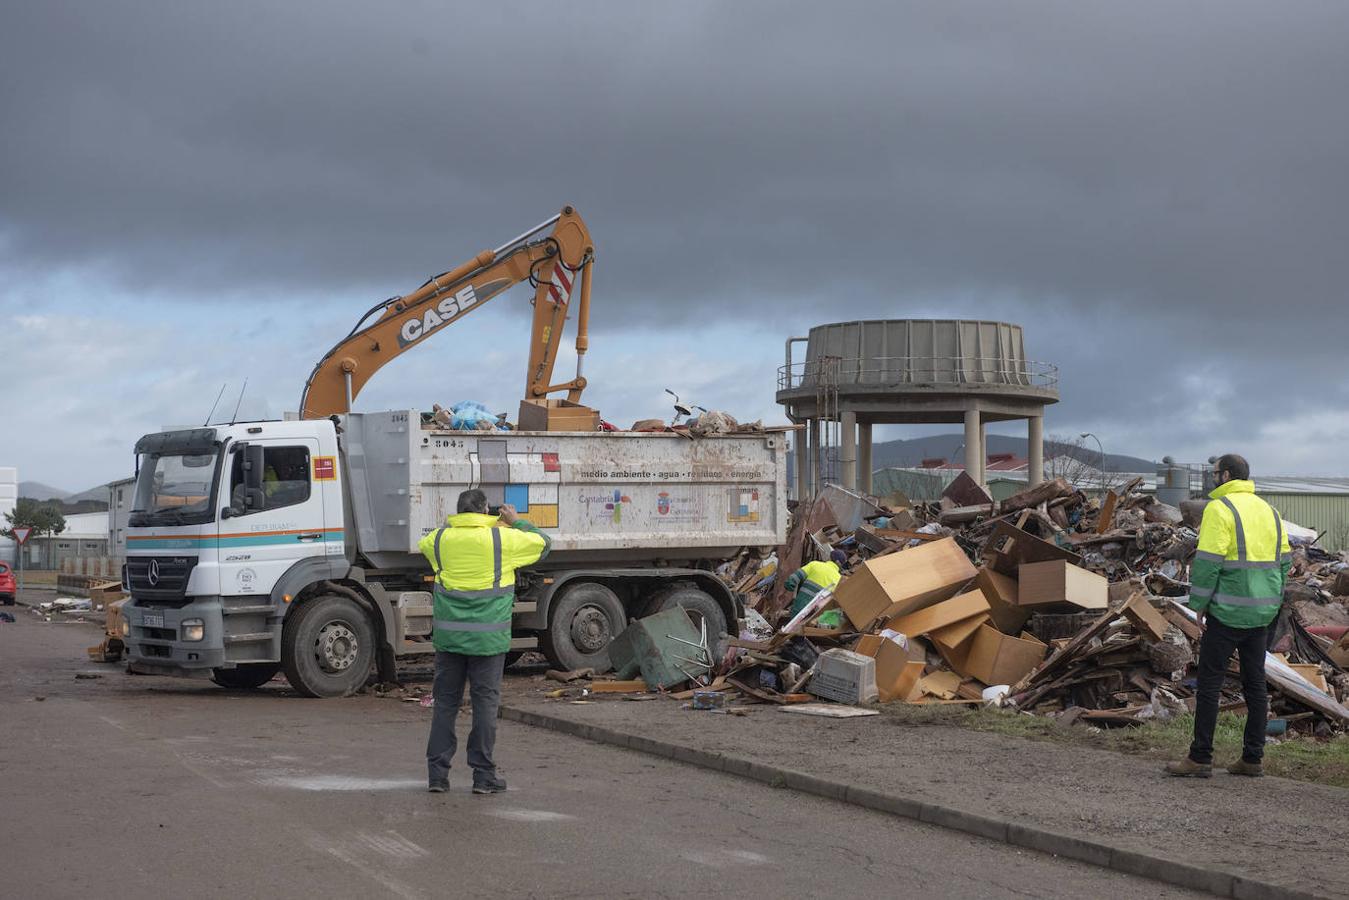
[1150,188]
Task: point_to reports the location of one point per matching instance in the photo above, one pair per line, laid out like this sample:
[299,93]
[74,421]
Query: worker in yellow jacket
[475,558]
[1236,586]
[818,575]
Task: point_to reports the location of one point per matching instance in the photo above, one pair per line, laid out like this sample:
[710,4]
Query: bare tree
[1075,463]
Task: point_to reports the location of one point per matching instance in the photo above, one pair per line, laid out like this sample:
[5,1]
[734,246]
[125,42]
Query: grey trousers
[483,674]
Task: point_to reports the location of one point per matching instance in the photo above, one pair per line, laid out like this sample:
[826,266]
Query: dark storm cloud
[1156,184]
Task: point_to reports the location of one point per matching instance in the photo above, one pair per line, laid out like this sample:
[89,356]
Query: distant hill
[93,500]
[910,453]
[39,491]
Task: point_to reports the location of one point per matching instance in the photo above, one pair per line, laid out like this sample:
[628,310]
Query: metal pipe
[582,325]
[528,234]
[346,376]
[787,369]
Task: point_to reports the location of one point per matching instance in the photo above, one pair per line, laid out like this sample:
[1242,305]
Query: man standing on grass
[1236,585]
[475,559]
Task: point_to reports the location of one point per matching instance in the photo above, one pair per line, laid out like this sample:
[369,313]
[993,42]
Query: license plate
[150,621]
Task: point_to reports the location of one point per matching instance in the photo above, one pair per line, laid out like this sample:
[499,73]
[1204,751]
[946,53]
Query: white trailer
[263,546]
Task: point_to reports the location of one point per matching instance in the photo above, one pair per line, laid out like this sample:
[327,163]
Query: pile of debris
[1049,602]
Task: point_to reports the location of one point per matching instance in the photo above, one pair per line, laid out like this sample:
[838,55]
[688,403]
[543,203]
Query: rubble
[1050,602]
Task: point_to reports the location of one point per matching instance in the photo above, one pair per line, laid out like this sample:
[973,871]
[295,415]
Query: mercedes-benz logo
[152,574]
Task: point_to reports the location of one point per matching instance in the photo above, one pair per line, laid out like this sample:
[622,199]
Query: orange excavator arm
[553,264]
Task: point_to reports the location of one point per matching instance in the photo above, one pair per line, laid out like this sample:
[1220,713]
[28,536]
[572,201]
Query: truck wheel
[582,623]
[701,607]
[245,677]
[327,647]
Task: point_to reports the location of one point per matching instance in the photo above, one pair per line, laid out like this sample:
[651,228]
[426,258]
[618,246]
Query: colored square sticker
[325,468]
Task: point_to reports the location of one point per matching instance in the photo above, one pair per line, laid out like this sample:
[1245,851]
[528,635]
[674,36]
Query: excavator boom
[558,265]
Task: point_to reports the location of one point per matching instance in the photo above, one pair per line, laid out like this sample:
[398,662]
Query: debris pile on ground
[1049,602]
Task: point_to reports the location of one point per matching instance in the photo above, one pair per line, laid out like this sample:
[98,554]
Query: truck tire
[327,647]
[245,677]
[701,607]
[581,625]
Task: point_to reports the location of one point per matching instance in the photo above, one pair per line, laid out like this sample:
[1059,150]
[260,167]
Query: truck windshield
[176,489]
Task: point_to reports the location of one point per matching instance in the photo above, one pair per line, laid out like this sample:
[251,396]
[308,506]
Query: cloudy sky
[194,193]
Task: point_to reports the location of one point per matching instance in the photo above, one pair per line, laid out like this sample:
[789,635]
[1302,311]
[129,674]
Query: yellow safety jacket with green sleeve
[475,563]
[1243,558]
[809,580]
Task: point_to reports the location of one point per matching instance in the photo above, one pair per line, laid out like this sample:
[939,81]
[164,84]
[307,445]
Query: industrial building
[85,537]
[9,496]
[121,498]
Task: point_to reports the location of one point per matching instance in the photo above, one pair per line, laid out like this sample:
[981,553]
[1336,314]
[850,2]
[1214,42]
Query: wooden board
[1008,548]
[1145,617]
[634,686]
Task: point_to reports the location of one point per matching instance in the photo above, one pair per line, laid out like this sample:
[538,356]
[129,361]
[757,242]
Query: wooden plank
[1145,618]
[1066,653]
[1107,516]
[1032,497]
[1008,548]
[901,534]
[1184,623]
[634,686]
[756,692]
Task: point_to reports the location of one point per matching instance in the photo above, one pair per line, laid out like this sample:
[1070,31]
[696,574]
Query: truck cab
[222,518]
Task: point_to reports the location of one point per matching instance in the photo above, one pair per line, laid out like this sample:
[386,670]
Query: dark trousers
[483,674]
[1215,649]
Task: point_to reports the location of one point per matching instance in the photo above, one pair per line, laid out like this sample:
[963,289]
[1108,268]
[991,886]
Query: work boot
[1188,768]
[438,787]
[1241,767]
[488,784]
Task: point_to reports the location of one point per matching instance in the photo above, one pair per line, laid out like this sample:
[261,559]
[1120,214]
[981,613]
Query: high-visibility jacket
[475,564]
[809,580]
[1243,558]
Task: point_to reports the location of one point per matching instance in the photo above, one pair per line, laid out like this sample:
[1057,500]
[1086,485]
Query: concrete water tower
[908,371]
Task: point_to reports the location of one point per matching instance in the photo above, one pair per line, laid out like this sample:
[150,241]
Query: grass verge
[1302,759]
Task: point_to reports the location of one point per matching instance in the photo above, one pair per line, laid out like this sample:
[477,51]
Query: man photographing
[475,559]
[1236,585]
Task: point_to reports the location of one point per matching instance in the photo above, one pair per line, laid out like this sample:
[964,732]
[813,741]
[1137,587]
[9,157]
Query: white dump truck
[292,545]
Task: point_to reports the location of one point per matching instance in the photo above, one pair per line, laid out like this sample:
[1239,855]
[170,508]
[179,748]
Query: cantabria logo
[418,326]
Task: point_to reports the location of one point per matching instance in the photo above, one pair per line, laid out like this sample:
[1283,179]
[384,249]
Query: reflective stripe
[437,543]
[1241,532]
[1203,593]
[443,625]
[496,557]
[1252,564]
[484,594]
[1234,600]
[1211,557]
[1278,533]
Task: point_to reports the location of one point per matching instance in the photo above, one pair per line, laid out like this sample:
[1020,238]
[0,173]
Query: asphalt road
[128,786]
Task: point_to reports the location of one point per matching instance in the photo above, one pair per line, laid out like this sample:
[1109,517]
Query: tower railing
[836,372]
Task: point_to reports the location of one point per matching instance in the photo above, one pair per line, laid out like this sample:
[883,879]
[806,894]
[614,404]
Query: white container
[601,497]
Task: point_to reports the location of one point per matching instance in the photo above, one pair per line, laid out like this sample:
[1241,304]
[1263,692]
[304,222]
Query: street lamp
[1087,434]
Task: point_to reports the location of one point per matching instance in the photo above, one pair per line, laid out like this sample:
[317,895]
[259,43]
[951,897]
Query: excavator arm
[553,264]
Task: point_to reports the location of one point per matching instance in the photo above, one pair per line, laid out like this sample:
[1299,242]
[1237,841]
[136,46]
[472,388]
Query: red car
[8,588]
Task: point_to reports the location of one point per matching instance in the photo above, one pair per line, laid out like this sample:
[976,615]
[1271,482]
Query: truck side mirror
[253,471]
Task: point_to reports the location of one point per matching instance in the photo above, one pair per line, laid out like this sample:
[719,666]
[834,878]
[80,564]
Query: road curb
[1155,866]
